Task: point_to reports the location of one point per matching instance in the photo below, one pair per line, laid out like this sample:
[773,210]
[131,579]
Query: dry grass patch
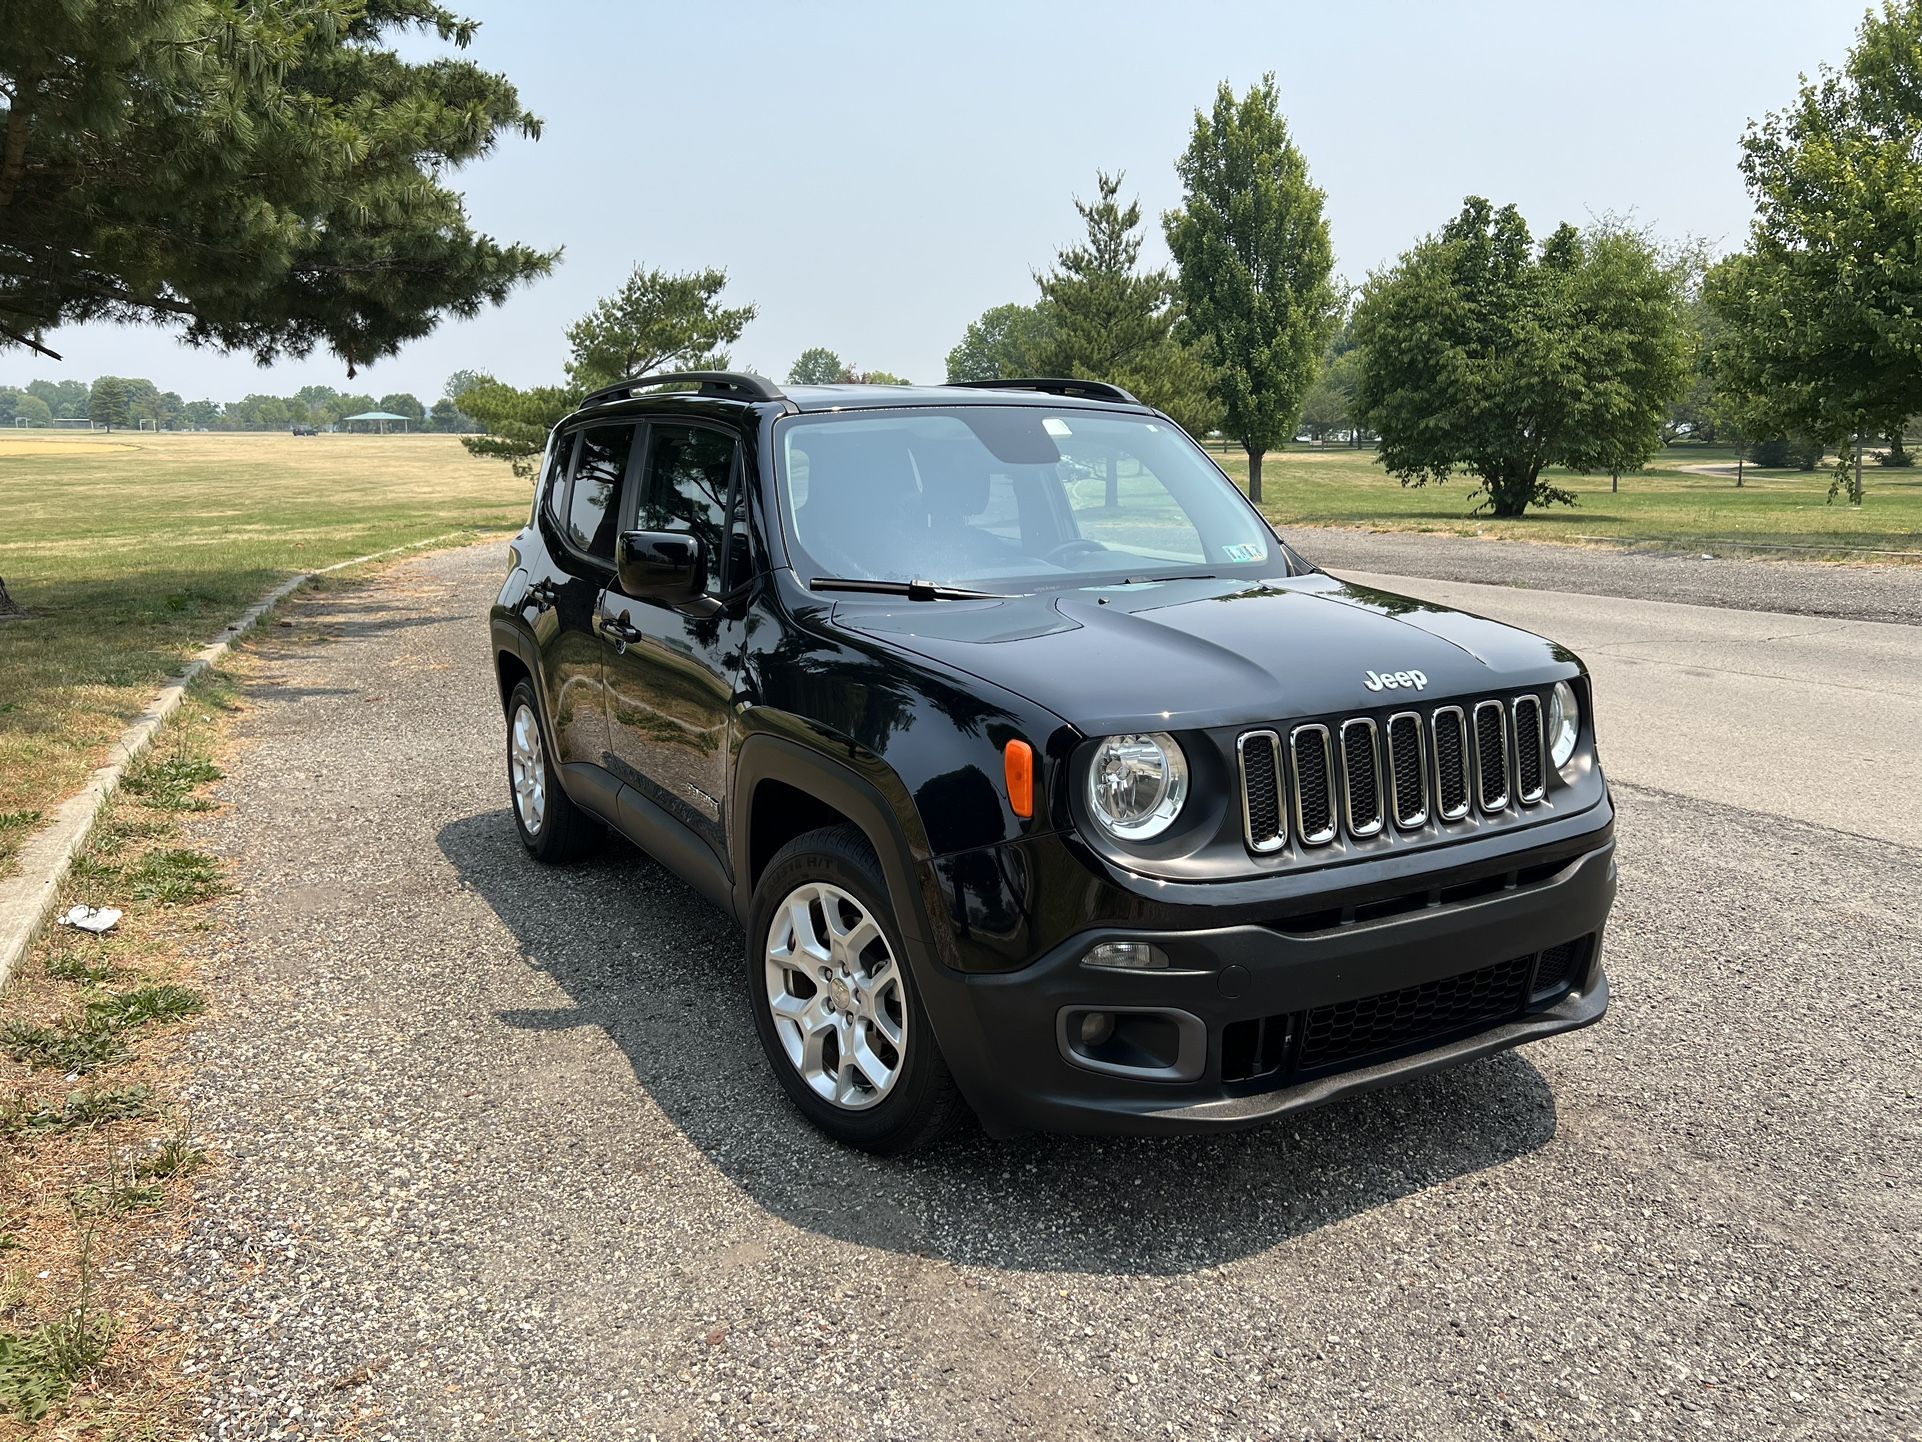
[131,552]
[97,1153]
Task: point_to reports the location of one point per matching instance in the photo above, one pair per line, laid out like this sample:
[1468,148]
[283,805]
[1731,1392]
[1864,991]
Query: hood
[1179,655]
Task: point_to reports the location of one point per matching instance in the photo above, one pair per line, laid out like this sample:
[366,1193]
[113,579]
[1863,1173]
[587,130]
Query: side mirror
[666,566]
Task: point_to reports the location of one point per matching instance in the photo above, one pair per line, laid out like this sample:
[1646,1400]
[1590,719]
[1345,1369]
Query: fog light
[1096,1027]
[1126,956]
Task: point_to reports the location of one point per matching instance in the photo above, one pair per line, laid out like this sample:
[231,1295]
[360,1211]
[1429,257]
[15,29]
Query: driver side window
[689,469]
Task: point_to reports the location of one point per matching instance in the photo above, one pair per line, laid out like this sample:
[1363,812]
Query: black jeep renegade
[1042,776]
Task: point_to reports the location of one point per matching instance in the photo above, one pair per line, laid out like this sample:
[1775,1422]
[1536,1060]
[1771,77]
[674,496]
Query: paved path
[504,1161]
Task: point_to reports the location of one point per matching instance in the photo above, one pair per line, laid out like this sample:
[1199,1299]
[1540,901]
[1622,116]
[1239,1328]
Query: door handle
[540,595]
[620,629]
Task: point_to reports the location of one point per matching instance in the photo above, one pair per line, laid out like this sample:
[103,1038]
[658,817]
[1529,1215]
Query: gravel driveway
[1859,591]
[503,1159]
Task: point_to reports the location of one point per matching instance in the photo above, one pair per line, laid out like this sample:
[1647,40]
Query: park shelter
[382,416]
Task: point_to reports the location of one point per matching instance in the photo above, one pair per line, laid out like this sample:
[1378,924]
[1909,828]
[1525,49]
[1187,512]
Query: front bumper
[1255,1019]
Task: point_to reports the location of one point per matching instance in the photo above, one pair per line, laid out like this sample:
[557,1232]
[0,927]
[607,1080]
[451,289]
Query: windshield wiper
[1157,580]
[913,590]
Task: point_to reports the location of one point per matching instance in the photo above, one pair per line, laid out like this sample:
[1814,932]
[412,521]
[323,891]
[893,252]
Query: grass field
[132,551]
[1337,487]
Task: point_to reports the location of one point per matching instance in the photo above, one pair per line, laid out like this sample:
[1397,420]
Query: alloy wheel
[527,769]
[836,991]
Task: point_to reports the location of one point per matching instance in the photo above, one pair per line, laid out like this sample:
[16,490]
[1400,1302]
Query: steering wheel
[1059,555]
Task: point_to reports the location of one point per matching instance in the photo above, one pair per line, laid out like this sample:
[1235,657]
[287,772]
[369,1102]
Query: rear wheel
[552,827]
[835,1003]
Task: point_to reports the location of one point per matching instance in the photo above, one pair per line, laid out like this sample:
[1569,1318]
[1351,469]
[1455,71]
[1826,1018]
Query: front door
[579,513]
[670,687]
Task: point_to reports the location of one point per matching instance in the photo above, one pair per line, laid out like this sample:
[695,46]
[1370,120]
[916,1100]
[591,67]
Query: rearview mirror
[660,565]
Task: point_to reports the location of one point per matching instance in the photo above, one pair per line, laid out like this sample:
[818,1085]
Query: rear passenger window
[593,505]
[688,471]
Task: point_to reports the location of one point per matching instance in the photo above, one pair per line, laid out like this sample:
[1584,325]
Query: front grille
[1293,1046]
[1261,805]
[1360,777]
[1407,770]
[1531,780]
[1313,775]
[1422,770]
[1451,762]
[1491,755]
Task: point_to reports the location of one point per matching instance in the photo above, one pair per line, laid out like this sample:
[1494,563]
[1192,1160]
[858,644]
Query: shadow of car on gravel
[653,965]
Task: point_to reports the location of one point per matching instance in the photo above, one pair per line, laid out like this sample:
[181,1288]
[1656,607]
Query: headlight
[1136,785]
[1564,724]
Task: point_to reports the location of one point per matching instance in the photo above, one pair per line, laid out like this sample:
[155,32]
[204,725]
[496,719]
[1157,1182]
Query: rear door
[670,683]
[580,519]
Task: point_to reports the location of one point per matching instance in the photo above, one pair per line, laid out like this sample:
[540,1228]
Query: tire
[551,826]
[838,1032]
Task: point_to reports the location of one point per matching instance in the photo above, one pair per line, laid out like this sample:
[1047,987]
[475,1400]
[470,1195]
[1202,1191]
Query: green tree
[1825,304]
[10,398]
[655,321]
[877,378]
[200,414]
[66,399]
[1002,345]
[1483,353]
[263,177]
[1255,265]
[107,404]
[458,384]
[34,411]
[1108,321]
[401,403]
[817,366]
[448,418]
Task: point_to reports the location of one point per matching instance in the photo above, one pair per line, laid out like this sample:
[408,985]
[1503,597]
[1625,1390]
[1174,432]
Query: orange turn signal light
[1018,760]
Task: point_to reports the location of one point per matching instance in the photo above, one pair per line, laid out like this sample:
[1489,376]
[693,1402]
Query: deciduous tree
[1003,344]
[262,177]
[1825,305]
[1255,265]
[817,366]
[656,321]
[1484,353]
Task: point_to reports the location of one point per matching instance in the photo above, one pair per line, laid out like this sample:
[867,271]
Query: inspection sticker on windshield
[1242,551]
[1055,426]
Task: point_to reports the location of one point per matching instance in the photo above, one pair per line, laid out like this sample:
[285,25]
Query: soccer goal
[73,423]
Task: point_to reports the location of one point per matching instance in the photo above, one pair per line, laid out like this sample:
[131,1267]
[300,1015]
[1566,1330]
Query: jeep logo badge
[1394,680]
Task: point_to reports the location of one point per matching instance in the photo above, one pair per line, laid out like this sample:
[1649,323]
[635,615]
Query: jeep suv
[1044,779]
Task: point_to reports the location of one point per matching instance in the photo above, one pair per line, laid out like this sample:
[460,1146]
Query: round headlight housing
[1137,784]
[1564,724]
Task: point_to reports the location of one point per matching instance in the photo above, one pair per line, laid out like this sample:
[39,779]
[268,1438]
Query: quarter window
[593,510]
[688,472]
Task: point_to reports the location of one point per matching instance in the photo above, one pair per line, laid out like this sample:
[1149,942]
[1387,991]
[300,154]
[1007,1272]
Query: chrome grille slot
[1491,755]
[1407,771]
[1312,766]
[1531,777]
[1360,777]
[1451,763]
[1263,821]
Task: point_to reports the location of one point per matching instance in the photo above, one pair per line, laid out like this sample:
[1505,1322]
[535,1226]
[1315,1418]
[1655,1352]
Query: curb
[28,896]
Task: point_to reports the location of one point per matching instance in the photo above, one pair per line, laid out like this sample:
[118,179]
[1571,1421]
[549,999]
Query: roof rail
[732,384]
[1085,390]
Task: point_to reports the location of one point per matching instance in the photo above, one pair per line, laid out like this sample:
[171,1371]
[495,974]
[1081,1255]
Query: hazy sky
[872,177]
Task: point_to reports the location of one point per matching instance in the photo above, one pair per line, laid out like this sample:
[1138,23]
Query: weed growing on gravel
[148,1003]
[39,1367]
[122,1196]
[167,783]
[83,1110]
[177,1156]
[69,1047]
[78,967]
[175,877]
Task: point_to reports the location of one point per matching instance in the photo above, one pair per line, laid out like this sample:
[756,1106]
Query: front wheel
[834,1002]
[551,826]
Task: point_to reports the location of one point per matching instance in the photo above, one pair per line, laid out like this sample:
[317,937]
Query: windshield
[1005,498]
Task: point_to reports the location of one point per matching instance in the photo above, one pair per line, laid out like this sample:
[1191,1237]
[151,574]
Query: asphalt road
[503,1160]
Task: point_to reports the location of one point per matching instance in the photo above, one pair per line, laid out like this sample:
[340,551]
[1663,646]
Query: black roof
[740,386]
